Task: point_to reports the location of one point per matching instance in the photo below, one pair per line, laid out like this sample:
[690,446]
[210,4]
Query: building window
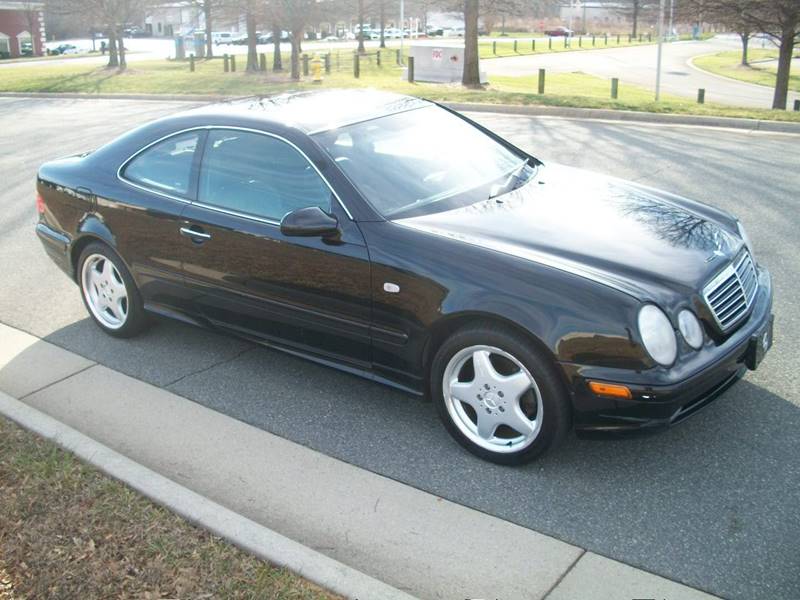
[5,47]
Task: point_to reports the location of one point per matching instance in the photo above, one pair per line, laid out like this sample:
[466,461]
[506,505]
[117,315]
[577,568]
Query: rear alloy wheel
[109,293]
[497,396]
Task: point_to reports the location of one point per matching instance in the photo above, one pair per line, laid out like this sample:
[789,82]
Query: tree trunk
[784,66]
[113,58]
[383,24]
[745,43]
[361,27]
[123,64]
[471,76]
[209,41]
[277,59]
[252,51]
[635,17]
[296,54]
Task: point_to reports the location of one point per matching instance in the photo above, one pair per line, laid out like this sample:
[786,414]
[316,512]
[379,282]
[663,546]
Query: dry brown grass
[68,531]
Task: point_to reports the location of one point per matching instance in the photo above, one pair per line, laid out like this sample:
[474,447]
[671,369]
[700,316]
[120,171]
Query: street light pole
[660,44]
[402,31]
[671,13]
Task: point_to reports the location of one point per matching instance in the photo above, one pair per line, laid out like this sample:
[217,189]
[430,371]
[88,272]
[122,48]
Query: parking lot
[711,503]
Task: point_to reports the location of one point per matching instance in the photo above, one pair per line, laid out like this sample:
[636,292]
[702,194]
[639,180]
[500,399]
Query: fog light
[610,389]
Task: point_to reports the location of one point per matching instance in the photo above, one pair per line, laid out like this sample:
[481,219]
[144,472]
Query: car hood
[631,237]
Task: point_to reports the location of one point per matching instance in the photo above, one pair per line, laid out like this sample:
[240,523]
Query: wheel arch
[449,324]
[92,229]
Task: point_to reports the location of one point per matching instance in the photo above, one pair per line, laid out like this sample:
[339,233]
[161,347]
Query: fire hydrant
[316,70]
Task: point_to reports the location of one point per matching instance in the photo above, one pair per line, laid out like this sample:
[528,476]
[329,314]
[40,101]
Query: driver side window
[258,175]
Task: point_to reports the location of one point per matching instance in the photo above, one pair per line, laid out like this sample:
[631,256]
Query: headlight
[690,328]
[745,239]
[657,335]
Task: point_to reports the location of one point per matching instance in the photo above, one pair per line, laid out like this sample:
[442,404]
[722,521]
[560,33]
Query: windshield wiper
[513,181]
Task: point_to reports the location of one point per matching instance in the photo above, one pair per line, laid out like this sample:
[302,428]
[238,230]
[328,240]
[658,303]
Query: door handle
[196,234]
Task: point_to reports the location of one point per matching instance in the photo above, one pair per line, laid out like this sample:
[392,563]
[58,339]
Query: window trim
[192,173]
[195,175]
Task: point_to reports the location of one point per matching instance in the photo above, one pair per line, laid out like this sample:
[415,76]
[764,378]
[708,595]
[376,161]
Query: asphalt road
[637,65]
[712,503]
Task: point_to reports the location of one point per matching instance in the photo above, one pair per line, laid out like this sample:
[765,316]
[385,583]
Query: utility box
[439,64]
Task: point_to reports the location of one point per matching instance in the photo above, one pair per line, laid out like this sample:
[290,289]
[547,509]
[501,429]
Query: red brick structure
[21,29]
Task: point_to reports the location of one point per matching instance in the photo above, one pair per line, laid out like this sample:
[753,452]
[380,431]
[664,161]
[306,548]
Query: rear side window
[167,165]
[258,175]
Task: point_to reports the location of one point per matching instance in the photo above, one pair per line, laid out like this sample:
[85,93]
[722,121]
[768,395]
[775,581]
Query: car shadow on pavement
[711,503]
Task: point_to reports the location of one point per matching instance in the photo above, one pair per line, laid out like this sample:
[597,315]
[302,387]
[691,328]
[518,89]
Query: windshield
[423,161]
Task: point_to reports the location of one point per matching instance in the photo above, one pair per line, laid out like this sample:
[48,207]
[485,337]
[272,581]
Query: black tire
[136,319]
[556,414]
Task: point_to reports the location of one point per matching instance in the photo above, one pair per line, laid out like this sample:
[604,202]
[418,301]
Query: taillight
[39,204]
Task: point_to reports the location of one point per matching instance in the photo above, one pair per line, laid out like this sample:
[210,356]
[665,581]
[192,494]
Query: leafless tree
[471,76]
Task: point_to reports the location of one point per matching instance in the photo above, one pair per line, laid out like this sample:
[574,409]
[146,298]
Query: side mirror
[309,222]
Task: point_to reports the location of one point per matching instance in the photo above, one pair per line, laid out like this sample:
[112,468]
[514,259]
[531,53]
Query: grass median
[174,77]
[67,531]
[761,69]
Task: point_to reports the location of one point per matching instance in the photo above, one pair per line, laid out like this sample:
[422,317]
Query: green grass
[68,531]
[173,77]
[729,64]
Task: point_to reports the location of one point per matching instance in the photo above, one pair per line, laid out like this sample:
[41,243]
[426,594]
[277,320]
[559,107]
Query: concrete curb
[630,116]
[242,532]
[507,109]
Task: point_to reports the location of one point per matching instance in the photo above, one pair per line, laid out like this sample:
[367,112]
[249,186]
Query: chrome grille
[730,294]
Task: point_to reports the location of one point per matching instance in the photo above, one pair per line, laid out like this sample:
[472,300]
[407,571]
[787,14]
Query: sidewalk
[411,540]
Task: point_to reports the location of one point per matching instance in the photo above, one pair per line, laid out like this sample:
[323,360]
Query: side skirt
[366,373]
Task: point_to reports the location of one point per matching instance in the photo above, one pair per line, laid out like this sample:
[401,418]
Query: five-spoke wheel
[498,395]
[105,291]
[492,398]
[109,292]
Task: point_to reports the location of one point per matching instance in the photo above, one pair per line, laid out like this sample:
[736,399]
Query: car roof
[315,111]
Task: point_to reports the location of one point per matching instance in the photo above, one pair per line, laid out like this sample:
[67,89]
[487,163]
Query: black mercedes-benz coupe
[396,239]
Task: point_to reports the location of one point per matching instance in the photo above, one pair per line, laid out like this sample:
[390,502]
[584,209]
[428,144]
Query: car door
[144,214]
[308,293]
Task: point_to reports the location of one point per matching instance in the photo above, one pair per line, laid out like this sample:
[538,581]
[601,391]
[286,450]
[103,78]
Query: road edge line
[242,532]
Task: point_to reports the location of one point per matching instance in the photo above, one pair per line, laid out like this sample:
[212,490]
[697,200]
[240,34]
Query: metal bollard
[305,65]
[701,96]
[191,63]
[328,63]
[494,47]
[233,63]
[226,63]
[533,45]
[515,46]
[541,81]
[262,62]
[356,65]
[410,69]
[614,88]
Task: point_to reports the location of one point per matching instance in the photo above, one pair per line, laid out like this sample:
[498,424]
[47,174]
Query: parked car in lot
[63,49]
[523,298]
[559,32]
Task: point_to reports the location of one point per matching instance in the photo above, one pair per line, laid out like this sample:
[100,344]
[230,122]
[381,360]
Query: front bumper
[656,403]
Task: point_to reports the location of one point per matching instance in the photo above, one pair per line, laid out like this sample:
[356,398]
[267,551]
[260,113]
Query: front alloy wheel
[498,395]
[492,399]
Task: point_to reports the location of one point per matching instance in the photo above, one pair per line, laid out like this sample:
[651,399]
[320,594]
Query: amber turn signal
[610,389]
